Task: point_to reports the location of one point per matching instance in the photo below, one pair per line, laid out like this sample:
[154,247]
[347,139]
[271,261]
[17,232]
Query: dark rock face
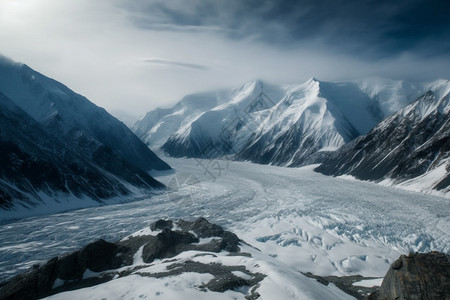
[417,276]
[39,281]
[106,257]
[168,243]
[161,224]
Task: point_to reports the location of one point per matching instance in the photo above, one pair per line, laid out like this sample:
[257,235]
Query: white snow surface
[369,282]
[301,221]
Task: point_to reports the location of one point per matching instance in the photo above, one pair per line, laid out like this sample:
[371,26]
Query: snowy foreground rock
[172,259]
[200,260]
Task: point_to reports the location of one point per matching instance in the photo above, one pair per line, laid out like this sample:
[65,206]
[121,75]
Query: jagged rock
[226,282]
[168,243]
[161,224]
[417,276]
[102,256]
[204,229]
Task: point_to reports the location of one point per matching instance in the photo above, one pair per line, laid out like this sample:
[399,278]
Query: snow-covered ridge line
[288,125]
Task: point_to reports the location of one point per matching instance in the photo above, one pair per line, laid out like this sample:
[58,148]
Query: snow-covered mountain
[55,144]
[411,148]
[156,126]
[282,125]
[225,128]
[313,119]
[72,116]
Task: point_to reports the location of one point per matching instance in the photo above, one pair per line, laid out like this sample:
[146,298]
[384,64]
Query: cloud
[135,55]
[166,62]
[371,29]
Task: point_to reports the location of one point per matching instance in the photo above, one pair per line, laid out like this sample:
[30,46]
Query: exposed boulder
[168,243]
[229,241]
[417,276]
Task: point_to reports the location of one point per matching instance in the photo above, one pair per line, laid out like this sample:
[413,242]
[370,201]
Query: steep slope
[36,165]
[56,145]
[313,119]
[225,128]
[71,116]
[409,145]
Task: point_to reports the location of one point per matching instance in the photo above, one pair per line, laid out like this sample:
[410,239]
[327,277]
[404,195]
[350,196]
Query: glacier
[304,221]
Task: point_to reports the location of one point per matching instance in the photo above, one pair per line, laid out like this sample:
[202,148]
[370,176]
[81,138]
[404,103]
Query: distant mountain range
[56,144]
[282,125]
[292,125]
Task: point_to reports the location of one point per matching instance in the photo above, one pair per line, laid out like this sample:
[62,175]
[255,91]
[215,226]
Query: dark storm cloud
[174,63]
[368,28]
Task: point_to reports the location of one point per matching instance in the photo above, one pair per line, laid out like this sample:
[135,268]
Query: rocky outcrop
[417,276]
[102,261]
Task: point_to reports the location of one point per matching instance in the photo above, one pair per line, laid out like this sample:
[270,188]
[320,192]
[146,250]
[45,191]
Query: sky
[131,56]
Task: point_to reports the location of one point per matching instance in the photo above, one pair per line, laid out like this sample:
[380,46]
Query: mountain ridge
[409,149]
[63,111]
[61,150]
[337,113]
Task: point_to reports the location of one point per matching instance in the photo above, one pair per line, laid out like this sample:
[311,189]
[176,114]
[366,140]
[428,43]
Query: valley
[311,222]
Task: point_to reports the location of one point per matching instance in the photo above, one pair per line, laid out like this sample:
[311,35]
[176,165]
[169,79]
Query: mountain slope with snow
[36,166]
[71,116]
[156,126]
[410,148]
[51,157]
[313,119]
[282,125]
[225,128]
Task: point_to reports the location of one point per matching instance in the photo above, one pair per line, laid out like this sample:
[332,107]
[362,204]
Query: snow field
[300,220]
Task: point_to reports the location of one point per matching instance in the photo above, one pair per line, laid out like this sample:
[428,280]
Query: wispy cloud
[181,64]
